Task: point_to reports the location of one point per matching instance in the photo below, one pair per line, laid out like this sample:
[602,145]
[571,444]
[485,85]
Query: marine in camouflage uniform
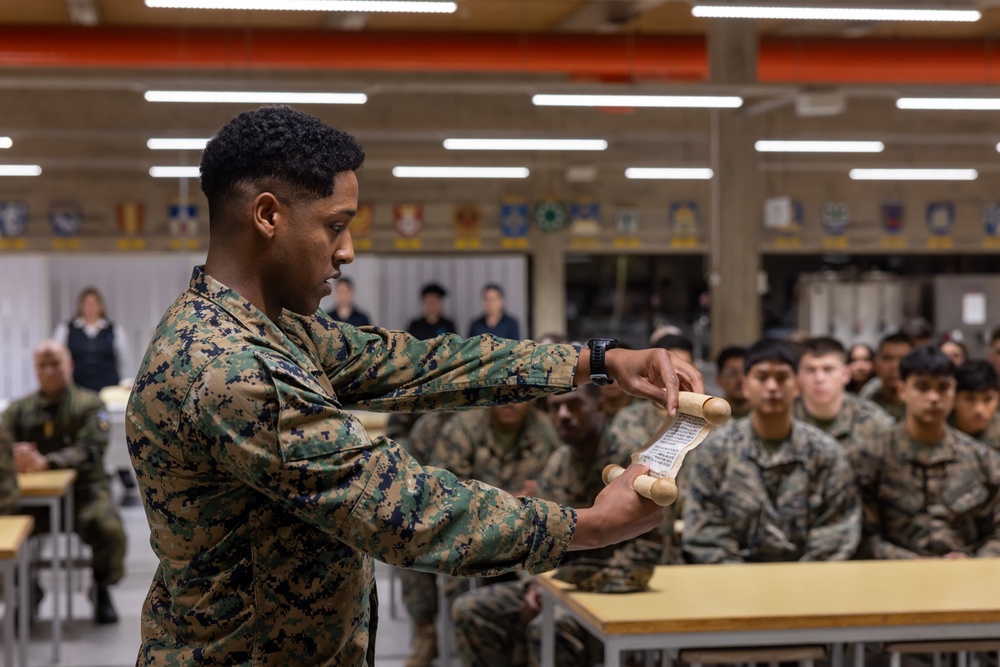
[929,500]
[990,436]
[858,421]
[72,432]
[895,409]
[632,428]
[267,500]
[489,628]
[8,473]
[744,504]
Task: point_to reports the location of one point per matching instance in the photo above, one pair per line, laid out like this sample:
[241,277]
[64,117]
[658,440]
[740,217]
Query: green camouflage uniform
[872,391]
[267,501]
[859,421]
[488,628]
[929,500]
[746,505]
[8,473]
[72,432]
[420,588]
[632,428]
[991,436]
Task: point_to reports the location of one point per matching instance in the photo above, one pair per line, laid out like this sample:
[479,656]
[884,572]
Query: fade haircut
[820,346]
[731,352]
[675,342]
[275,149]
[896,337]
[769,349]
[926,360]
[977,375]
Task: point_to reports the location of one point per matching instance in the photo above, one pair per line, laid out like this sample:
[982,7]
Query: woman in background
[861,361]
[97,346]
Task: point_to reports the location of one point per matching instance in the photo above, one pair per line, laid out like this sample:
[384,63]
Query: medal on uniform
[697,415]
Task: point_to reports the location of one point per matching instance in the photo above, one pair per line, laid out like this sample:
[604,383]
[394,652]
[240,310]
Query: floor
[88,645]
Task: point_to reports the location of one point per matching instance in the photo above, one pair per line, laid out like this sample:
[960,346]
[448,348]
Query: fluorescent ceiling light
[658,173]
[834,13]
[20,170]
[525,144]
[234,97]
[772,146]
[174,172]
[949,103]
[5,142]
[460,172]
[658,101]
[312,5]
[914,174]
[176,144]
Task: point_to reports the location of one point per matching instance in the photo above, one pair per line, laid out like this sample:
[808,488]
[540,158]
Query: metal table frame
[8,566]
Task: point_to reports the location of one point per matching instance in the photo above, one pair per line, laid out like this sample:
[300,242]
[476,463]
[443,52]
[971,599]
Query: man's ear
[266,214]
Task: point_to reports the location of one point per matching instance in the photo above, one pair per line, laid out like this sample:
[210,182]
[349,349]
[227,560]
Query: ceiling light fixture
[168,144]
[175,172]
[234,97]
[914,174]
[949,103]
[460,172]
[636,101]
[525,144]
[672,173]
[775,146]
[399,6]
[20,170]
[5,142]
[835,13]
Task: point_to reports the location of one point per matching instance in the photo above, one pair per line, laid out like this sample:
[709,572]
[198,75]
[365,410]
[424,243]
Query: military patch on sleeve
[102,421]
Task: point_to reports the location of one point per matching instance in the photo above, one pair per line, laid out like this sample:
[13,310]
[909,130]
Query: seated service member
[928,490]
[824,401]
[729,365]
[267,500]
[8,473]
[883,389]
[499,625]
[767,487]
[65,426]
[977,393]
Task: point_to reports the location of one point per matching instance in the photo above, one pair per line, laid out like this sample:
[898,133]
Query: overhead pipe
[602,57]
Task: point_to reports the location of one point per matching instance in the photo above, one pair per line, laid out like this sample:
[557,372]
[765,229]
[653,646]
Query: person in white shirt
[98,346]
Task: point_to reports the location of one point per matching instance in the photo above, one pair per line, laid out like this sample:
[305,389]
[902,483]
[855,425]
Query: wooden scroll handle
[716,411]
[661,490]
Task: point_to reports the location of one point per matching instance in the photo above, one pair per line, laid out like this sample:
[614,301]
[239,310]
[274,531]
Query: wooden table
[14,534]
[695,606]
[54,489]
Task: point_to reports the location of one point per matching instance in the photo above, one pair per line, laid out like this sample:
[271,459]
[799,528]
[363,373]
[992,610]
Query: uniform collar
[942,452]
[843,422]
[794,450]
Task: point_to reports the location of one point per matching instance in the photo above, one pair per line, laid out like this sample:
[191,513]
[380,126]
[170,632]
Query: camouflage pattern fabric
[488,626]
[929,500]
[267,500]
[8,473]
[990,437]
[632,428]
[859,421]
[745,505]
[420,592]
[895,409]
[72,432]
[470,447]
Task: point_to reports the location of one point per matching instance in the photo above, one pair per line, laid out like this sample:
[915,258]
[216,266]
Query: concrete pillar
[737,198]
[548,290]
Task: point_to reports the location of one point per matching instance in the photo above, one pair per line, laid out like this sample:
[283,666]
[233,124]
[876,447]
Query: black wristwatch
[598,371]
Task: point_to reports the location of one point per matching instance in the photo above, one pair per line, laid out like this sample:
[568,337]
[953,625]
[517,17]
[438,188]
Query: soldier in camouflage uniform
[928,489]
[267,500]
[768,488]
[65,426]
[977,394]
[8,473]
[498,625]
[883,389]
[730,376]
[824,401]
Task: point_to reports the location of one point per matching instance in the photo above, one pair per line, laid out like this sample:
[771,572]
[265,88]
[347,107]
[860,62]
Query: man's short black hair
[977,375]
[895,337]
[674,342]
[918,329]
[995,336]
[433,288]
[820,346]
[346,281]
[731,352]
[769,349]
[492,286]
[926,360]
[275,149]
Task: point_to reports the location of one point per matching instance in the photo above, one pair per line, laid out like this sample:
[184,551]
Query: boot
[104,609]
[424,648]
